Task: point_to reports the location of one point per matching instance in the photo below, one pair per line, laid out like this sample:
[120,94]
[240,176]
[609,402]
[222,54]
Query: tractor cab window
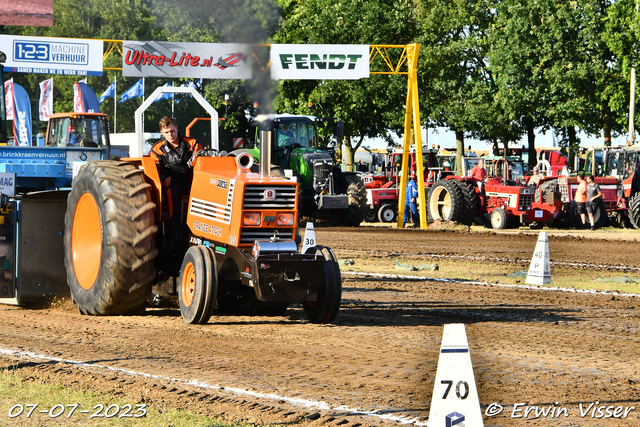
[613,166]
[593,163]
[58,132]
[89,132]
[447,163]
[516,170]
[470,163]
[632,163]
[397,164]
[298,133]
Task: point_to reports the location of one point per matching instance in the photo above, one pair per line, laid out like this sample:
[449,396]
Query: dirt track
[535,347]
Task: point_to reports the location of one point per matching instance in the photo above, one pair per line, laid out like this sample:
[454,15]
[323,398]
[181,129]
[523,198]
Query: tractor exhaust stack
[265,125]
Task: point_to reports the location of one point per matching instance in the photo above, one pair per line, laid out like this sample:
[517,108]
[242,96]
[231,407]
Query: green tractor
[325,191]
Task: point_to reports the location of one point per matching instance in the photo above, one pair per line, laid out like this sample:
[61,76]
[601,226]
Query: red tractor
[555,192]
[382,190]
[503,201]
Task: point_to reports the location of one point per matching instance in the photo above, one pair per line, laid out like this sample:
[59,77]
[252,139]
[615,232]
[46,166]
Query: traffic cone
[455,399]
[309,238]
[540,268]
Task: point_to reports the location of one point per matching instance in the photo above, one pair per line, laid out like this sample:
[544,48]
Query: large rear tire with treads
[357,193]
[445,201]
[109,239]
[634,210]
[470,199]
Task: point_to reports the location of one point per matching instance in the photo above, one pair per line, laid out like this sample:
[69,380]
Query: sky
[446,138]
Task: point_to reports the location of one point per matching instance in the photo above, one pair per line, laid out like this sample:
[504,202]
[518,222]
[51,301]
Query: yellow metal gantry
[383,59]
[408,57]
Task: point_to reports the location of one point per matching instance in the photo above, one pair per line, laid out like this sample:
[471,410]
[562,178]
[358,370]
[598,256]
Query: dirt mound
[446,225]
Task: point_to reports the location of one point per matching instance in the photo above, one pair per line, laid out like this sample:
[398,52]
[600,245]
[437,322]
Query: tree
[369,107]
[457,85]
[94,20]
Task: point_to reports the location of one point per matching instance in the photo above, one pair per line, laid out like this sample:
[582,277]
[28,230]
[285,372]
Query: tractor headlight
[251,218]
[284,219]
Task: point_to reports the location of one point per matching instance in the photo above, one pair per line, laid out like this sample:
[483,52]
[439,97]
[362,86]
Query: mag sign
[44,55]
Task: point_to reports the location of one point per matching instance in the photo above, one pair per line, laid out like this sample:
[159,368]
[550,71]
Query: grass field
[18,400]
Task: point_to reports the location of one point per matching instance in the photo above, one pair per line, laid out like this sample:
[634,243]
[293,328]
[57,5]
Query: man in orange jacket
[172,157]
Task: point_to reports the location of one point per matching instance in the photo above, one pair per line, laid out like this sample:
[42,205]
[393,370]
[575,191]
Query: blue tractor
[34,184]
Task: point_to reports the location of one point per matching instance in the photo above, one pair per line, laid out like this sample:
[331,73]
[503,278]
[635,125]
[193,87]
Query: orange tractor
[240,249]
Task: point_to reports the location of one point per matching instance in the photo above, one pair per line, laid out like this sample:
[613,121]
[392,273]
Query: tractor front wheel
[198,285]
[499,219]
[325,308]
[109,239]
[371,215]
[388,213]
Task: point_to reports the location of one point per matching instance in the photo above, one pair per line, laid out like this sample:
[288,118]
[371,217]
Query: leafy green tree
[456,82]
[370,107]
[94,20]
[620,34]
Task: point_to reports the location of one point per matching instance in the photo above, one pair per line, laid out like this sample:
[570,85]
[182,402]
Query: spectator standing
[410,200]
[593,194]
[581,198]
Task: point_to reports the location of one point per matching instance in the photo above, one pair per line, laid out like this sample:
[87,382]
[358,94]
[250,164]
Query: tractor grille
[209,210]
[321,172]
[249,235]
[564,188]
[254,197]
[525,202]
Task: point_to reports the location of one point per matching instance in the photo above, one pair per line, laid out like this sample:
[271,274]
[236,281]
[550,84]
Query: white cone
[309,240]
[455,397]
[540,268]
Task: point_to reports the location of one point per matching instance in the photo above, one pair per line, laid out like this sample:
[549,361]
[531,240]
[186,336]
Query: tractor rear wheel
[198,285]
[325,308]
[109,239]
[634,210]
[469,212]
[388,213]
[499,219]
[445,201]
[599,216]
[357,193]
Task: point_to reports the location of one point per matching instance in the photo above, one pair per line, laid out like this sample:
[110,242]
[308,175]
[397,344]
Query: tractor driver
[172,156]
[285,136]
[478,174]
[75,137]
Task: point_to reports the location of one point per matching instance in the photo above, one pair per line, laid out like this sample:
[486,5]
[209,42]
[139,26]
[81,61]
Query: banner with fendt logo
[319,62]
[189,60]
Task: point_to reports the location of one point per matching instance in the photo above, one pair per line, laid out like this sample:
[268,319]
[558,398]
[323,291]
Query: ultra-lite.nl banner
[187,60]
[319,62]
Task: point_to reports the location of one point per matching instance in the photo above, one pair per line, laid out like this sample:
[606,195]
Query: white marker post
[540,268]
[309,238]
[455,397]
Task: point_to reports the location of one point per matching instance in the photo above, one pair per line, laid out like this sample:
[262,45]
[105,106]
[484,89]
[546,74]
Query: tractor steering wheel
[206,152]
[289,149]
